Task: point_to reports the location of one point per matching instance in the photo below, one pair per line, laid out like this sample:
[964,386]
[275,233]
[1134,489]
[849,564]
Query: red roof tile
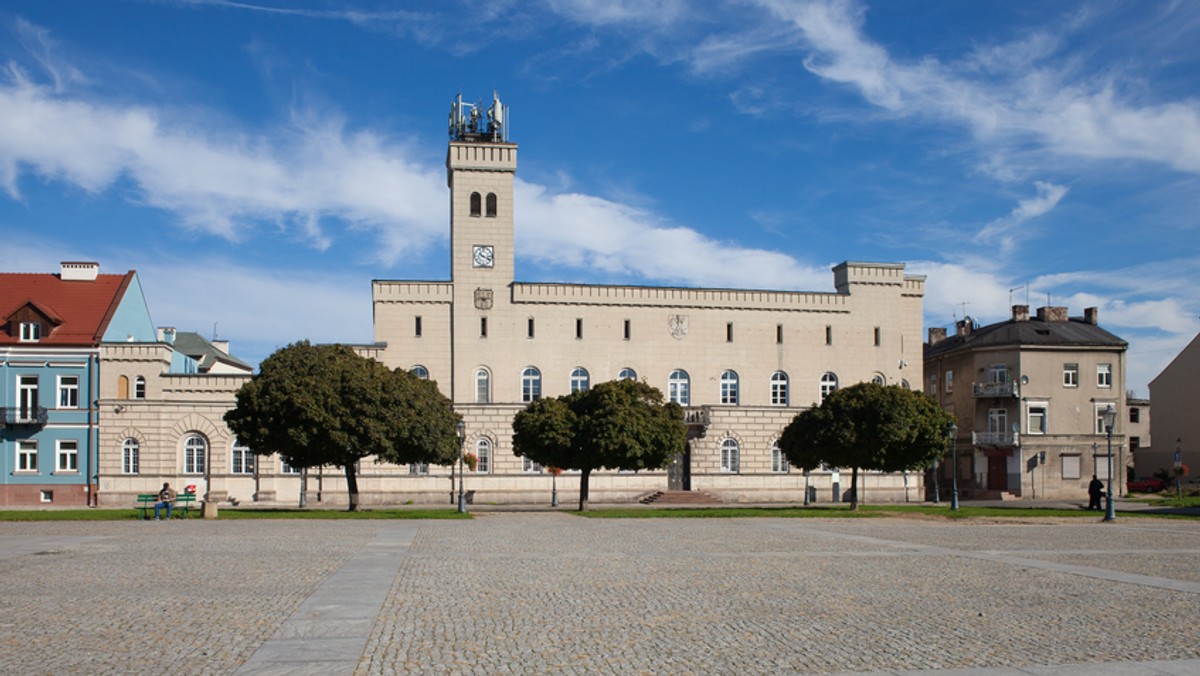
[82,309]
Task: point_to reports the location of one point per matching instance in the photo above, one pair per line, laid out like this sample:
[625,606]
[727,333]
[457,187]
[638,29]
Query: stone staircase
[681,498]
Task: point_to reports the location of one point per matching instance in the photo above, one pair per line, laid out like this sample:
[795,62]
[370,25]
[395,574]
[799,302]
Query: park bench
[182,503]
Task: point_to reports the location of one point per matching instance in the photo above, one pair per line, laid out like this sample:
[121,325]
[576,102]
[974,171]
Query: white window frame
[627,374]
[1104,376]
[1071,467]
[139,387]
[997,420]
[131,451]
[483,386]
[27,456]
[28,394]
[418,469]
[779,389]
[729,388]
[730,455]
[241,458]
[1031,416]
[998,374]
[933,384]
[530,467]
[1070,375]
[68,391]
[419,371]
[483,456]
[31,332]
[531,384]
[66,456]
[581,380]
[949,382]
[679,387]
[1099,408]
[879,379]
[779,463]
[829,385]
[285,468]
[195,454]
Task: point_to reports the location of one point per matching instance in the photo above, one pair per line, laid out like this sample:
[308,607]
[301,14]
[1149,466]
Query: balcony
[697,419]
[997,439]
[23,416]
[996,390]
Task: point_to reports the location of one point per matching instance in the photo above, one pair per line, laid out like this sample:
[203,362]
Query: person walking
[1095,492]
[165,498]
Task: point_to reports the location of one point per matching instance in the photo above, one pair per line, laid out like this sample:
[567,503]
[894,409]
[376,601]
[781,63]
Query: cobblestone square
[555,593]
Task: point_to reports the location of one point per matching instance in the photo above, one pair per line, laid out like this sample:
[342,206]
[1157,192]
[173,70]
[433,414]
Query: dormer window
[31,332]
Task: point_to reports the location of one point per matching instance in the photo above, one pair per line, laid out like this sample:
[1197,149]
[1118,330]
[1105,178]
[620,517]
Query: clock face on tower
[482,256]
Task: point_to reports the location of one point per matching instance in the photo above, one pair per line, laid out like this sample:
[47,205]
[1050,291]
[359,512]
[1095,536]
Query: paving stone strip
[327,633]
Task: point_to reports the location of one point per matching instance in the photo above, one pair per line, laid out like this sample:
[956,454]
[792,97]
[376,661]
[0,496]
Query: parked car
[1146,484]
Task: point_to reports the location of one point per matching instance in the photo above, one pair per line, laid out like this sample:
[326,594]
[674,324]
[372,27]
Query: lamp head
[1109,415]
[461,428]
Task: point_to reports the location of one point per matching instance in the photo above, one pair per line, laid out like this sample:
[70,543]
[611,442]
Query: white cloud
[1006,230]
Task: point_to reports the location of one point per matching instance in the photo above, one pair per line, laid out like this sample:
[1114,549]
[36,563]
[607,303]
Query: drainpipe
[93,496]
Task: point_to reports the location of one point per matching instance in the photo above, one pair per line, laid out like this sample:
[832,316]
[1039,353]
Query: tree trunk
[854,490]
[352,484]
[584,475]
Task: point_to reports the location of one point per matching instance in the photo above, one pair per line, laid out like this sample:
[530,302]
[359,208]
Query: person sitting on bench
[165,497]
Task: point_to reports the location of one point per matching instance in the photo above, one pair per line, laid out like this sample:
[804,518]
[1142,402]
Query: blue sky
[260,162]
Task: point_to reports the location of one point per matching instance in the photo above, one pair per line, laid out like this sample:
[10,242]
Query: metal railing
[995,438]
[1008,389]
[23,415]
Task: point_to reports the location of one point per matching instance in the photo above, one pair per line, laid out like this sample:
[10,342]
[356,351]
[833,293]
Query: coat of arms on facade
[678,325]
[483,299]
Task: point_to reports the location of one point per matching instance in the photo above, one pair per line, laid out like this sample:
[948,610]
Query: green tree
[868,426]
[619,424]
[327,405]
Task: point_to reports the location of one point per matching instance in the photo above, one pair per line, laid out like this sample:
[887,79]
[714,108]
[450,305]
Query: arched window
[242,460]
[420,372]
[131,452]
[679,387]
[729,456]
[779,389]
[729,387]
[195,454]
[483,451]
[878,379]
[627,374]
[531,384]
[476,204]
[580,381]
[122,387]
[905,385]
[139,388]
[483,386]
[829,383]
[779,463]
[491,204]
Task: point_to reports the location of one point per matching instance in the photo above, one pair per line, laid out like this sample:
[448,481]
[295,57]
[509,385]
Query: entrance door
[679,472]
[997,473]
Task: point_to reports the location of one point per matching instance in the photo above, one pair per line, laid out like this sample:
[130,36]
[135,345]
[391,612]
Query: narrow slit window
[779,333]
[878,337]
[417,326]
[491,205]
[628,329]
[828,334]
[476,204]
[729,332]
[578,328]
[483,327]
[529,328]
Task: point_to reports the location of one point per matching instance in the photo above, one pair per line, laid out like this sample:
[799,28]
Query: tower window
[417,326]
[779,333]
[476,204]
[878,337]
[483,327]
[529,329]
[491,205]
[828,334]
[729,332]
[628,329]
[579,328]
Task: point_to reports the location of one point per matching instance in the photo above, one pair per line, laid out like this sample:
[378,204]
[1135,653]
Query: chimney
[78,271]
[936,334]
[1020,313]
[1091,315]
[964,326]
[166,334]
[1052,314]
[222,345]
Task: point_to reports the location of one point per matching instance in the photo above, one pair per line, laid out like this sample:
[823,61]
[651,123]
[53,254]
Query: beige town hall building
[741,362]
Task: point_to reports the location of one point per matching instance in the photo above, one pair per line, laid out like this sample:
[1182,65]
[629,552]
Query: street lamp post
[554,489]
[953,467]
[806,473]
[1109,415]
[462,503]
[937,479]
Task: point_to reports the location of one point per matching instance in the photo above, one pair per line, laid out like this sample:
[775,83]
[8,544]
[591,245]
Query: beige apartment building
[1028,396]
[741,362]
[1176,424]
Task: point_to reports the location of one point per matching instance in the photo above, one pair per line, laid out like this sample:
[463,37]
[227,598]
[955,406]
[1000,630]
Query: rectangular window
[1134,443]
[779,333]
[933,383]
[31,332]
[285,468]
[1100,408]
[68,456]
[529,328]
[243,460]
[949,382]
[628,329]
[530,466]
[1101,467]
[998,373]
[1104,375]
[27,398]
[68,391]
[578,329]
[729,332]
[417,326]
[418,469]
[483,327]
[1070,467]
[47,496]
[1070,375]
[1135,414]
[878,337]
[1037,419]
[828,334]
[27,454]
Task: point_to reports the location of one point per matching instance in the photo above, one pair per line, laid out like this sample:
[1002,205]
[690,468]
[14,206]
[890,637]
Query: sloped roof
[199,348]
[80,310]
[1033,332]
